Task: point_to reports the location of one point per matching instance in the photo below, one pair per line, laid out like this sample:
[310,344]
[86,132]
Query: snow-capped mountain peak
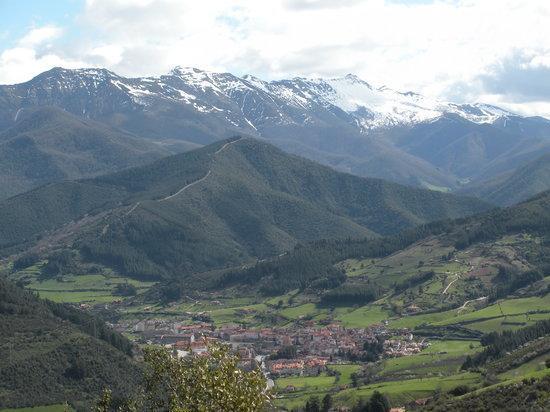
[384,107]
[249,102]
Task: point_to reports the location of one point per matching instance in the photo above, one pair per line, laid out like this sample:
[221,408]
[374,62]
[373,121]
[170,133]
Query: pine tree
[327,403]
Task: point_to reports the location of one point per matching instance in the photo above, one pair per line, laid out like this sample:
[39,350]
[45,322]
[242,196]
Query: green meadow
[78,288]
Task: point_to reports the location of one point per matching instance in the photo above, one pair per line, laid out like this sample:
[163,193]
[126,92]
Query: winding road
[450,283]
[227,144]
[132,209]
[184,188]
[179,192]
[470,301]
[17,115]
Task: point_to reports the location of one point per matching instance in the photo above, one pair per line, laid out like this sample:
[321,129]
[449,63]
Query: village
[298,350]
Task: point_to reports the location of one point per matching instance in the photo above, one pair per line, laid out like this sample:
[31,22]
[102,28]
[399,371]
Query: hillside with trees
[509,188]
[48,144]
[52,353]
[313,264]
[238,200]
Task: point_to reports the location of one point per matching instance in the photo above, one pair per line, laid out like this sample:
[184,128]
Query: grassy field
[85,288]
[441,358]
[363,317]
[506,314]
[416,320]
[240,314]
[345,372]
[284,299]
[296,312]
[91,297]
[89,288]
[306,382]
[509,322]
[398,392]
[502,308]
[404,391]
[534,365]
[306,386]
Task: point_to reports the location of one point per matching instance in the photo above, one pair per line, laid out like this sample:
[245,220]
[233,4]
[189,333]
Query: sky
[490,51]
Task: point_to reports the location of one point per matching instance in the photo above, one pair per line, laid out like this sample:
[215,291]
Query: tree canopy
[211,382]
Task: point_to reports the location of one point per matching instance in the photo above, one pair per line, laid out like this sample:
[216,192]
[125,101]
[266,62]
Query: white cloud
[107,55]
[318,4]
[40,35]
[440,48]
[20,64]
[32,55]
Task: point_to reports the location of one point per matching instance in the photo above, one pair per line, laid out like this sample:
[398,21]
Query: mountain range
[225,204]
[344,122]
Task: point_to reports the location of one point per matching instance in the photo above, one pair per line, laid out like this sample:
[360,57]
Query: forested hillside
[51,353]
[221,205]
[47,144]
[313,264]
[527,180]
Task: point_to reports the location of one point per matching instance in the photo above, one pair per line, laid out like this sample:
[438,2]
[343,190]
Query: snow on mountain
[249,102]
[371,107]
[478,112]
[344,122]
[377,107]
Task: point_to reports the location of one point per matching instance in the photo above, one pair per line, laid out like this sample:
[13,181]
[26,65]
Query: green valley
[348,290]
